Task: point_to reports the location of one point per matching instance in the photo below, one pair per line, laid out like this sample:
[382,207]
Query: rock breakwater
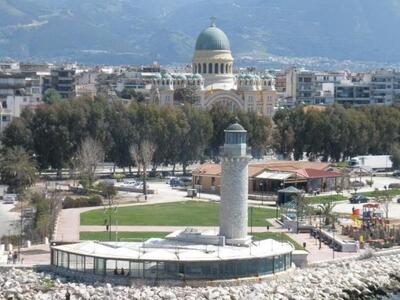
[366,278]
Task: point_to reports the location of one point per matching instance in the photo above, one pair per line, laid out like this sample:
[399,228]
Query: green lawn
[104,236]
[326,199]
[190,213]
[279,237]
[389,192]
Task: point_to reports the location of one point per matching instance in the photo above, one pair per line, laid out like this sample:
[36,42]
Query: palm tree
[17,168]
[326,210]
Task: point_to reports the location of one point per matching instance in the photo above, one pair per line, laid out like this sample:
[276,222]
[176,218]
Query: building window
[222,68]
[216,69]
[199,68]
[4,104]
[204,68]
[210,68]
[212,181]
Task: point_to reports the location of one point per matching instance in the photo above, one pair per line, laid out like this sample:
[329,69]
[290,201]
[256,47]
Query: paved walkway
[35,255]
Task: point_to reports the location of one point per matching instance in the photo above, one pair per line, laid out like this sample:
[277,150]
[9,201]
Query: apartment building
[62,80]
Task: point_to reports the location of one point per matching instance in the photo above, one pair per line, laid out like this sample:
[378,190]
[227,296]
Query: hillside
[127,31]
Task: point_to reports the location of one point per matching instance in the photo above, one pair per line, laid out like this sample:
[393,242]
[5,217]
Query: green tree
[283,134]
[51,96]
[17,168]
[17,133]
[326,211]
[196,138]
[395,155]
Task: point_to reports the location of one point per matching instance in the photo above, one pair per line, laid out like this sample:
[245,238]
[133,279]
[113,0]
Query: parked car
[130,182]
[174,181]
[394,185]
[165,174]
[9,198]
[28,212]
[396,173]
[355,199]
[357,183]
[398,200]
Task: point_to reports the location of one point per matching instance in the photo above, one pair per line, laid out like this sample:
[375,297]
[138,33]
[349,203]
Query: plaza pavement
[69,221]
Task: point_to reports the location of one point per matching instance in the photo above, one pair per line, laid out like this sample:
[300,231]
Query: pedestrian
[67,296]
[14,257]
[9,258]
[122,272]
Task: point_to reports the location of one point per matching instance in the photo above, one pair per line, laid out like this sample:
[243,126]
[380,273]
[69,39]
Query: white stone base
[238,242]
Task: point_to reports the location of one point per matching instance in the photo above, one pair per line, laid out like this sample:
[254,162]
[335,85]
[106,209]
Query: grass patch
[389,192]
[326,199]
[104,236]
[189,213]
[279,236]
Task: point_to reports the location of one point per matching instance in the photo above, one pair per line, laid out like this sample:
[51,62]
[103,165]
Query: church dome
[212,38]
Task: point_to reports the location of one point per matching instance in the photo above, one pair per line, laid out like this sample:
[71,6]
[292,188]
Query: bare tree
[90,154]
[143,155]
[385,201]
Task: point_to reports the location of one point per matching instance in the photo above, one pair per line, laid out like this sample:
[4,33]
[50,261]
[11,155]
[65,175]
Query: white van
[9,198]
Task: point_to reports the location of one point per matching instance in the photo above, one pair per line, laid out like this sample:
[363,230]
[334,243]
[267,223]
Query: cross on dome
[213,19]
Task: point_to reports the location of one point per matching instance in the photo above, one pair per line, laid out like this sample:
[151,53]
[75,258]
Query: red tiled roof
[313,173]
[303,169]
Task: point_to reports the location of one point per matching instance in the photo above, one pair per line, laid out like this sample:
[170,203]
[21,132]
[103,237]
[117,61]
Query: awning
[274,175]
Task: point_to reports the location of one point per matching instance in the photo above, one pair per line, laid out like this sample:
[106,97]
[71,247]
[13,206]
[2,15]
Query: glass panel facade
[174,270]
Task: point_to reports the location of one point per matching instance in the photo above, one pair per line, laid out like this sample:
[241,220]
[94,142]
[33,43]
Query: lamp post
[251,220]
[262,195]
[320,231]
[333,238]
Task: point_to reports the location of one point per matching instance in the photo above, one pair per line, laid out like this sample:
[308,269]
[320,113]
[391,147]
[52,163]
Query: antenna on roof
[213,19]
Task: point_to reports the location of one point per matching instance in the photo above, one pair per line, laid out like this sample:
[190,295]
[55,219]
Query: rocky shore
[367,278]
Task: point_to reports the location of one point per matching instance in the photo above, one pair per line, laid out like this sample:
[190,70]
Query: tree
[17,134]
[188,95]
[283,134]
[196,138]
[51,96]
[395,155]
[131,94]
[89,155]
[326,211]
[17,168]
[143,154]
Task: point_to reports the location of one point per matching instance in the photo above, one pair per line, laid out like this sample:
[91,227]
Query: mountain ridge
[141,31]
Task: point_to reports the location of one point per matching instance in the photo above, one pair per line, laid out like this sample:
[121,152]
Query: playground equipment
[372,214]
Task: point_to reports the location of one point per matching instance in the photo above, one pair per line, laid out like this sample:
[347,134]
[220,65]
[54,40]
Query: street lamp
[333,238]
[251,220]
[262,195]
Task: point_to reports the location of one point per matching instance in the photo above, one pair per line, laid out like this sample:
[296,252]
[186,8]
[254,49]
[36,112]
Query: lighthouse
[234,187]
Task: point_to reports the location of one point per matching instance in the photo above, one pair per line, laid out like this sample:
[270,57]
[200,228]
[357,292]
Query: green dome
[212,38]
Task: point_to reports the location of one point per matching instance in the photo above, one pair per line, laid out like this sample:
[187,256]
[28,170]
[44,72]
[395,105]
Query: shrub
[82,202]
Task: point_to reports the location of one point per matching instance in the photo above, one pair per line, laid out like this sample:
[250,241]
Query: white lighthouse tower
[234,187]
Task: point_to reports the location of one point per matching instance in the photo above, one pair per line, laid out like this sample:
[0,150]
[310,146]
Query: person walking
[14,257]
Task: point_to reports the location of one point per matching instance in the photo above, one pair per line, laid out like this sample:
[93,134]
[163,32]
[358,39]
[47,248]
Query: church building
[213,81]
